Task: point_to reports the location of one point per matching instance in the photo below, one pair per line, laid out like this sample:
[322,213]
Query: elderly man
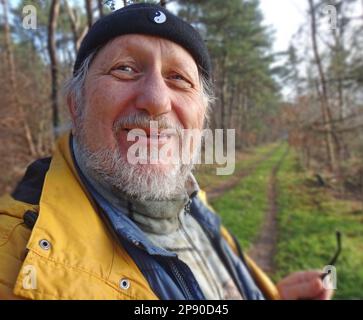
[88,224]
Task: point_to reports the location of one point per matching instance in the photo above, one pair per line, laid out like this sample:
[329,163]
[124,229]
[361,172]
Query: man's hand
[304,285]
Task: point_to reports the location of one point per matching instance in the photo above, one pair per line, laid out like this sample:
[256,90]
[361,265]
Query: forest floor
[263,249]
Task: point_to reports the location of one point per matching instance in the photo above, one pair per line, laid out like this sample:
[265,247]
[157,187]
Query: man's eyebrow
[178,63]
[123,52]
[187,70]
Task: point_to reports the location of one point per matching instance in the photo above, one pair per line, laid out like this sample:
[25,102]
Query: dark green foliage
[240,46]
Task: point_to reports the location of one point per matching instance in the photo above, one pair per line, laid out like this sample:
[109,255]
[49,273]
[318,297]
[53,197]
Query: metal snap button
[124,284]
[44,244]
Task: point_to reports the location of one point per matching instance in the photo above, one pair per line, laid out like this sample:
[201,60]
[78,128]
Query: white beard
[111,169]
[140,181]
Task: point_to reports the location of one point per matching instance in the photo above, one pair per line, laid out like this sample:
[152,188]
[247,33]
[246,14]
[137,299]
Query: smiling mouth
[160,135]
[150,134]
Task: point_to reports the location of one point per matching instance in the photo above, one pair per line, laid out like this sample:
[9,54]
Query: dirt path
[264,248]
[217,191]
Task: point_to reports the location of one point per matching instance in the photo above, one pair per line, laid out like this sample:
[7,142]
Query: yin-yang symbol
[160,17]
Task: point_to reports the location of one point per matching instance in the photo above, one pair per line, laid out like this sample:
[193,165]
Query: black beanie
[148,19]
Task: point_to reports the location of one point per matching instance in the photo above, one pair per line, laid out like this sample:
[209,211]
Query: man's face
[143,78]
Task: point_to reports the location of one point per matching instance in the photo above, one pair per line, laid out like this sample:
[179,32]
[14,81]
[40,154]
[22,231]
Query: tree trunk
[75,27]
[89,13]
[100,8]
[327,136]
[223,92]
[231,106]
[13,84]
[52,26]
[339,67]
[324,95]
[73,23]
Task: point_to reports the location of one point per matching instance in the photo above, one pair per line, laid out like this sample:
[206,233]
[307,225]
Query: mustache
[143,121]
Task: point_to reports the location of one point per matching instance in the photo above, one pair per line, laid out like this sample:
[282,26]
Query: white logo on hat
[160,17]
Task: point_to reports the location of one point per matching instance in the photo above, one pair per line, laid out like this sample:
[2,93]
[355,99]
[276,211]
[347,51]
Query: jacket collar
[79,240]
[67,216]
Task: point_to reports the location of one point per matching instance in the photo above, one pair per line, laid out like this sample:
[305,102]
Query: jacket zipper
[213,240]
[181,281]
[187,206]
[204,263]
[175,270]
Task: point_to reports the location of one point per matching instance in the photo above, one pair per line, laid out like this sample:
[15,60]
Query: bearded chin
[111,169]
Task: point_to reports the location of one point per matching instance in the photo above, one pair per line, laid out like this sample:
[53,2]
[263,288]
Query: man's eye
[127,69]
[181,80]
[124,72]
[178,77]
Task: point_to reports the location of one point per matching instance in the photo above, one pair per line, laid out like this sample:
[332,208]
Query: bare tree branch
[89,12]
[52,26]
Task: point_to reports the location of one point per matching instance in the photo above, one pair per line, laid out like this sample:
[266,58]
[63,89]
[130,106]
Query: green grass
[307,219]
[206,174]
[243,208]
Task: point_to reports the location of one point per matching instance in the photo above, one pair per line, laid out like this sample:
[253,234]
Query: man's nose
[154,95]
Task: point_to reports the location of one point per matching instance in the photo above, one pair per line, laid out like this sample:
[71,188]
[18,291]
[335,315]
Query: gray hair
[74,87]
